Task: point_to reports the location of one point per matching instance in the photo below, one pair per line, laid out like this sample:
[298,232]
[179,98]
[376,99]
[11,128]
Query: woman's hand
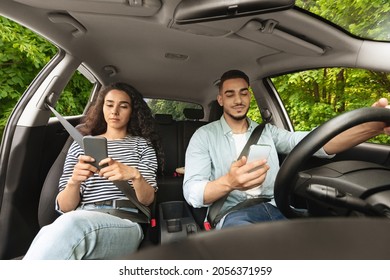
[117,171]
[69,198]
[82,170]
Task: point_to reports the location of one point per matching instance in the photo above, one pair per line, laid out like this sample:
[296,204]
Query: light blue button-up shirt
[212,150]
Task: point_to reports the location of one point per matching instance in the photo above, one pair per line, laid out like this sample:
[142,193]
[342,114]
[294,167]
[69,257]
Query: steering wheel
[341,184]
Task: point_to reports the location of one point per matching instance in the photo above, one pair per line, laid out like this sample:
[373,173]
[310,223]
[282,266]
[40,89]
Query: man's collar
[226,128]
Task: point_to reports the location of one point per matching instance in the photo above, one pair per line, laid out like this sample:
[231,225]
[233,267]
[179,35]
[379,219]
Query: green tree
[365,18]
[22,56]
[254,111]
[314,96]
[174,108]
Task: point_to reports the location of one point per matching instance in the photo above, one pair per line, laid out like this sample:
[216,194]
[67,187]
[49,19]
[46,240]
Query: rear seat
[175,136]
[168,130]
[169,183]
[186,129]
[174,215]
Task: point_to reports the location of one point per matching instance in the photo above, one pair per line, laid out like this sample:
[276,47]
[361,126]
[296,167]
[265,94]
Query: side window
[314,96]
[174,108]
[254,111]
[22,55]
[75,96]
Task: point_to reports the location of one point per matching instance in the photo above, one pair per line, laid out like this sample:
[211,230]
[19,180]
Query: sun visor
[192,11]
[268,33]
[137,8]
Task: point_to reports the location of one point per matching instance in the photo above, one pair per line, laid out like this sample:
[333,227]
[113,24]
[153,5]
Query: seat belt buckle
[153,223]
[207,226]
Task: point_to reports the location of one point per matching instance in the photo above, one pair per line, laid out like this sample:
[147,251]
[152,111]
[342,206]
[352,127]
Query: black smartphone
[96,147]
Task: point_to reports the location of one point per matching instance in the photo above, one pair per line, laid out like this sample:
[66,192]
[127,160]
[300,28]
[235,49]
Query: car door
[31,143]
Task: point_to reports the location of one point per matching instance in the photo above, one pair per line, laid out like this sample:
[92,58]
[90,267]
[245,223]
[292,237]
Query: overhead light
[135,3]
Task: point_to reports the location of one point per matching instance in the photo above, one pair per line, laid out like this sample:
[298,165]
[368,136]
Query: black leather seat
[186,129]
[216,111]
[46,210]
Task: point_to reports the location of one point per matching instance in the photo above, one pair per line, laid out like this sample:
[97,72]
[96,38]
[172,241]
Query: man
[213,170]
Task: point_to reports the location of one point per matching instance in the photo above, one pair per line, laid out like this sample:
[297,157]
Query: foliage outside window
[314,96]
[22,55]
[75,96]
[364,18]
[254,111]
[174,108]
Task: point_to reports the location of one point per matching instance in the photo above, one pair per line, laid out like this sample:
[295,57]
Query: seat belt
[123,186]
[215,208]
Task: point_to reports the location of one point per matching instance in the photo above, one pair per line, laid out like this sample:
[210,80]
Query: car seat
[46,209]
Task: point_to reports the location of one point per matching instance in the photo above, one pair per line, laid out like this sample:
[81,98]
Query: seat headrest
[163,118]
[193,114]
[216,111]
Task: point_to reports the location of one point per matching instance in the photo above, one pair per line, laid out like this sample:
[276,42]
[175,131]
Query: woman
[122,116]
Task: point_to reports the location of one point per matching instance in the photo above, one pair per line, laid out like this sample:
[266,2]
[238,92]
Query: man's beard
[238,118]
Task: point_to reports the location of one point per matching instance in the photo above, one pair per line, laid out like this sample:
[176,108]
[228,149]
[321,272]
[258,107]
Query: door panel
[33,151]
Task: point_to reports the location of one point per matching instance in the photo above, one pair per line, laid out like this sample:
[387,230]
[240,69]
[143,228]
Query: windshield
[363,18]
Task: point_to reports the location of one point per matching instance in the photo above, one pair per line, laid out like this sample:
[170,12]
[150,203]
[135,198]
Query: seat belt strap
[76,135]
[123,186]
[215,208]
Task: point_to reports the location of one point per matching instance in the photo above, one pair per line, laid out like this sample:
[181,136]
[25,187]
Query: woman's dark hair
[141,121]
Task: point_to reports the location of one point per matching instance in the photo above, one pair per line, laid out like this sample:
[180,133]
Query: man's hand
[241,177]
[384,103]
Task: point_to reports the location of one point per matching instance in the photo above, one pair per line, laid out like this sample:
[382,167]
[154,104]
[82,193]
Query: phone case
[95,147]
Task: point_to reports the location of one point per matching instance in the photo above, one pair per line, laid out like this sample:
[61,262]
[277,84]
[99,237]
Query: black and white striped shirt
[132,150]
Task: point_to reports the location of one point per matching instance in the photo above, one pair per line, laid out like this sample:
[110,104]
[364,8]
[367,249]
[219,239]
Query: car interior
[177,50]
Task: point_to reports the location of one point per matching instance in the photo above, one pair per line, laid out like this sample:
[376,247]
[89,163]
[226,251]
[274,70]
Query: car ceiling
[146,47]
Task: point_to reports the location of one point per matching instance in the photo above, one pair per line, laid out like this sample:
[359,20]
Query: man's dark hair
[232,74]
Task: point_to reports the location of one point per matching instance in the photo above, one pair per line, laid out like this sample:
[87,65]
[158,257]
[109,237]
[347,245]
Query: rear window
[171,107]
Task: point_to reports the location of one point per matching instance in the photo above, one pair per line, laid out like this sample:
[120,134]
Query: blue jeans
[83,234]
[262,212]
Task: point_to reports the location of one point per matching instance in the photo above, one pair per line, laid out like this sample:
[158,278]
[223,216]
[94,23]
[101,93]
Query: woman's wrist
[73,184]
[137,177]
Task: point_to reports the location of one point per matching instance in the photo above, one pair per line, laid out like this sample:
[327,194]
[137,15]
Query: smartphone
[96,147]
[258,152]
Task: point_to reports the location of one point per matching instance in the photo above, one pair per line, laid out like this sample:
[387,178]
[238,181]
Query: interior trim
[144,8]
[267,33]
